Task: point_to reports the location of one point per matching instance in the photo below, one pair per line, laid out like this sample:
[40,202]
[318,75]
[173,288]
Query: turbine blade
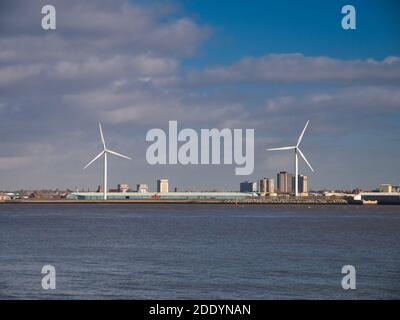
[284,148]
[94,159]
[118,154]
[102,136]
[302,155]
[302,133]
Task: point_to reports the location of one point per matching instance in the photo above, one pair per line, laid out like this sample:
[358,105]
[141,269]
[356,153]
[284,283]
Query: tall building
[285,182]
[290,183]
[270,186]
[162,185]
[260,187]
[281,180]
[303,184]
[142,188]
[266,185]
[248,186]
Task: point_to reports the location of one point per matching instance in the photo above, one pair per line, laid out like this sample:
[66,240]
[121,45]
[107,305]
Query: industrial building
[165,196]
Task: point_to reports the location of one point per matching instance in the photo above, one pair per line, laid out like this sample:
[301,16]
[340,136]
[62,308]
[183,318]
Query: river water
[155,251]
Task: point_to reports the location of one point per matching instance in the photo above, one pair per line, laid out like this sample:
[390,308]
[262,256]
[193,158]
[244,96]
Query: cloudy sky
[135,65]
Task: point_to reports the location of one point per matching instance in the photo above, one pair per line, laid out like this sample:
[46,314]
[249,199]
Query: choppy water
[137,251]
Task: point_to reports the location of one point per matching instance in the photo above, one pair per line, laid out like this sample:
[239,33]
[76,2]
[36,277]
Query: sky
[135,65]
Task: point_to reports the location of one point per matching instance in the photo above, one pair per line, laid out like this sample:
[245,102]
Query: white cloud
[14,162]
[115,66]
[11,74]
[286,68]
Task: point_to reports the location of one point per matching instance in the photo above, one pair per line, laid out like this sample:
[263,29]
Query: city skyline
[206,67]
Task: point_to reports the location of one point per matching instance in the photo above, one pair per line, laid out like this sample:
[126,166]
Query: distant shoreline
[245,201]
[188,201]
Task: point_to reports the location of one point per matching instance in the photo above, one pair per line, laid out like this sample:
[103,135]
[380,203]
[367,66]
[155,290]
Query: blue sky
[310,27]
[135,65]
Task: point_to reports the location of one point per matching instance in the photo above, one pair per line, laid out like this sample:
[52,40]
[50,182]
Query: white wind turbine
[296,160]
[105,152]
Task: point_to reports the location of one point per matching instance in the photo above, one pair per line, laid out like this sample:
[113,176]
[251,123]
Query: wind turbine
[296,159]
[105,152]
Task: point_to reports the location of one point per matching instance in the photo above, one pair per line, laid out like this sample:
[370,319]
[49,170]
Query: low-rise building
[385,188]
[247,186]
[142,188]
[4,197]
[123,187]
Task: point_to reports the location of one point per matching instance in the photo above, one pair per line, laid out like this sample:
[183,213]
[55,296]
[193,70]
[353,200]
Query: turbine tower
[296,158]
[105,152]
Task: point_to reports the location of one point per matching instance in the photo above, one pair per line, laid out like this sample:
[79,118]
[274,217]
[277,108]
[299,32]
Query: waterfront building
[153,196]
[4,197]
[270,185]
[385,188]
[123,187]
[266,186]
[303,184]
[291,182]
[260,186]
[244,186]
[142,188]
[281,180]
[285,182]
[162,185]
[247,186]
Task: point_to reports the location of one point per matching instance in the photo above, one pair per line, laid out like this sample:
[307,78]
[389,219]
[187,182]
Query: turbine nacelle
[105,150]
